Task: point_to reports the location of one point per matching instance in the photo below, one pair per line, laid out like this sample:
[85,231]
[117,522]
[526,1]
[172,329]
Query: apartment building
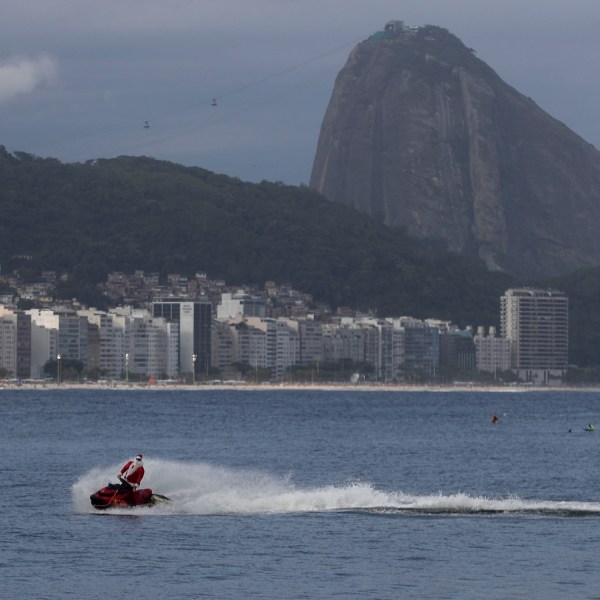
[457,350]
[57,333]
[241,304]
[109,338]
[8,346]
[492,353]
[343,342]
[536,321]
[194,320]
[311,342]
[15,342]
[421,347]
[282,344]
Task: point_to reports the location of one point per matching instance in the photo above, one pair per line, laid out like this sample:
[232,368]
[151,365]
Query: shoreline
[341,387]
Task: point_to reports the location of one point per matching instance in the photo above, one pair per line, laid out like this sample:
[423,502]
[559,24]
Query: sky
[80,79]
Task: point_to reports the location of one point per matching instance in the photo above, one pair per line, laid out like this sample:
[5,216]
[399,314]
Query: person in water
[495,420]
[131,474]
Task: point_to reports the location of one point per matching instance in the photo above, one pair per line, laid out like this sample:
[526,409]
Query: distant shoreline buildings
[198,329]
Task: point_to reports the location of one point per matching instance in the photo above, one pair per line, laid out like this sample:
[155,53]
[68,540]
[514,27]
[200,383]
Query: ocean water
[302,494]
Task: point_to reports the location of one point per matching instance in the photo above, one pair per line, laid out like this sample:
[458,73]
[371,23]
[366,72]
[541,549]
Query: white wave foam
[205,489]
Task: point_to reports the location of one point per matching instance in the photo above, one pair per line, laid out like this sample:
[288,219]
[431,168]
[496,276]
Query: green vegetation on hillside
[583,289]
[139,213]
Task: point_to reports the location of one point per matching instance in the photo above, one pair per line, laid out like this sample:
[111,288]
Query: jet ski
[113,496]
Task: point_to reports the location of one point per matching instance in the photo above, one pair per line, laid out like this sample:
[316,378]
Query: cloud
[21,75]
[124,62]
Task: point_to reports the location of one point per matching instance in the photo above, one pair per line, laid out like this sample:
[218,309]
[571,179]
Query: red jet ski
[114,496]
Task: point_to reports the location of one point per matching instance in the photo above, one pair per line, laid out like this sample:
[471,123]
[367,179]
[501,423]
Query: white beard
[134,465]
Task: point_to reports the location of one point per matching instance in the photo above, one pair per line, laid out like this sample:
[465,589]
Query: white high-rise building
[311,342]
[419,353]
[151,344]
[55,334]
[112,342]
[537,323]
[148,347]
[282,344]
[343,342]
[222,354]
[194,322]
[249,344]
[492,353]
[241,304]
[16,342]
[44,347]
[8,346]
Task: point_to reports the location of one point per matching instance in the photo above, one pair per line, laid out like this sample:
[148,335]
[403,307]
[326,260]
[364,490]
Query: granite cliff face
[422,134]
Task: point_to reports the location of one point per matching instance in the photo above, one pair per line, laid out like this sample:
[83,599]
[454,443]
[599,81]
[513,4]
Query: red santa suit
[132,472]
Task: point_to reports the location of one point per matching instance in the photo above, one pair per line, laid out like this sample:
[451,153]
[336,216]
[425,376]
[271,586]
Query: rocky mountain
[422,134]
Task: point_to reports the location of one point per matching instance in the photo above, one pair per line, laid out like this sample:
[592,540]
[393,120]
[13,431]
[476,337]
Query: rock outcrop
[422,134]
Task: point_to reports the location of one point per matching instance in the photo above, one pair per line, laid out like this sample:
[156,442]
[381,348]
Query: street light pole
[194,358]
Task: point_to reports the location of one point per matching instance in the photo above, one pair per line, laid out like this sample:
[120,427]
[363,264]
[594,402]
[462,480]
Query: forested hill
[139,213]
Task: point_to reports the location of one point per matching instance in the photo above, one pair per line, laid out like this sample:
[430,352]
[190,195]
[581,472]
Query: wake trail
[206,489]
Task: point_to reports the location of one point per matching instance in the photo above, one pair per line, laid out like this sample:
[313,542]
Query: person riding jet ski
[127,493]
[131,474]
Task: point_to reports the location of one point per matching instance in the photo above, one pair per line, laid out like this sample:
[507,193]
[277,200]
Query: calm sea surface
[302,494]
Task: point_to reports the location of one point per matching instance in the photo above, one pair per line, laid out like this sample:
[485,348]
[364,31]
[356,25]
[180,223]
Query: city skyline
[174,339]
